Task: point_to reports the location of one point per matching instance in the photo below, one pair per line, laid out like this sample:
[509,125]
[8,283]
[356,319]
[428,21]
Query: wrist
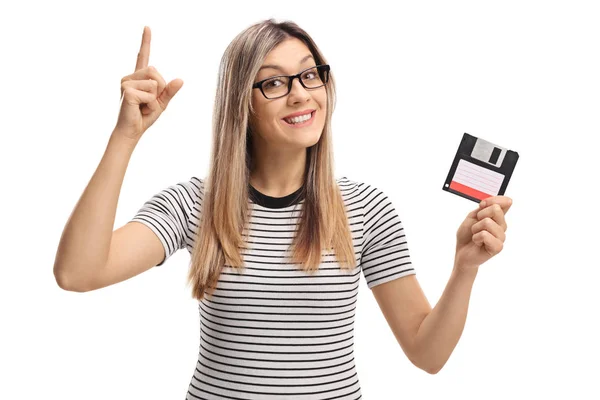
[121,139]
[465,270]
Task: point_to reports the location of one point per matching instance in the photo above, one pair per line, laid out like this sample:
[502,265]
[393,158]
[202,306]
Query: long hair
[323,223]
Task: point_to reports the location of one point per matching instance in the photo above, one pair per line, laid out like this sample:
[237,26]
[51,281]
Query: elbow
[61,279]
[433,370]
[65,283]
[428,367]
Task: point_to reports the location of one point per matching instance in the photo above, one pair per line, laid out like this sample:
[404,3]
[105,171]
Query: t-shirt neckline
[275,202]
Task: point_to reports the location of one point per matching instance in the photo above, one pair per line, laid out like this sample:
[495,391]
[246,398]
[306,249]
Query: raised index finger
[144,54]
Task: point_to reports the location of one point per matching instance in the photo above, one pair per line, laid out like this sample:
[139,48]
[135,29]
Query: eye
[309,75]
[273,83]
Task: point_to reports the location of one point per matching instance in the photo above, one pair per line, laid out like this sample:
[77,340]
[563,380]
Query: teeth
[299,119]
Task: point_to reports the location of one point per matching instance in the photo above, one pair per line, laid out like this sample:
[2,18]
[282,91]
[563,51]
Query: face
[270,122]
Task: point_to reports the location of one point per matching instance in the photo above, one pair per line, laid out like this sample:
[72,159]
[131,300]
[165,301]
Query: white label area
[478,178]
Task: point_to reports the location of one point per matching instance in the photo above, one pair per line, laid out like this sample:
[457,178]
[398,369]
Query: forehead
[288,56]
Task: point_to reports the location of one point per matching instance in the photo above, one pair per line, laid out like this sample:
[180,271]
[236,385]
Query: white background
[412,78]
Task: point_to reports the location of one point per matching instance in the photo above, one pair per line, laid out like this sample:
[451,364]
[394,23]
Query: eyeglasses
[279,86]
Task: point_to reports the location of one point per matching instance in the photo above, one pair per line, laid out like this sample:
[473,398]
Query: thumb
[473,214]
[170,90]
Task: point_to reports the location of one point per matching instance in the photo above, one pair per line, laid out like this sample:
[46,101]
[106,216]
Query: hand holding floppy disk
[480,169]
[482,234]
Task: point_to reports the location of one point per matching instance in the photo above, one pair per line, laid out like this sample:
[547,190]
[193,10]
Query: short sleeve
[385,255]
[167,214]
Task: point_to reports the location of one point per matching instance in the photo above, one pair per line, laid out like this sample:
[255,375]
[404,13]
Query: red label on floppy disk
[480,169]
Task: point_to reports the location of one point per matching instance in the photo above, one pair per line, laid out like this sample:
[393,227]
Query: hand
[482,234]
[144,94]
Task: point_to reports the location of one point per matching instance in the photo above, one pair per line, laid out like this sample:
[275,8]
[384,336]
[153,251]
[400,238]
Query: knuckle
[128,92]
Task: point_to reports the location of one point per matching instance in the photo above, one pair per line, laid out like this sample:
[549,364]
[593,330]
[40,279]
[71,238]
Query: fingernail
[482,204]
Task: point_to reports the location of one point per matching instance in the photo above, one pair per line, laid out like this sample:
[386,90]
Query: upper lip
[299,113]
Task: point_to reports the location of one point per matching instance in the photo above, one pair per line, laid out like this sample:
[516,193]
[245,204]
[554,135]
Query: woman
[277,244]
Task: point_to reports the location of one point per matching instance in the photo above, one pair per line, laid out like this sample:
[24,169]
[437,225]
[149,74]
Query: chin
[308,136]
[313,135]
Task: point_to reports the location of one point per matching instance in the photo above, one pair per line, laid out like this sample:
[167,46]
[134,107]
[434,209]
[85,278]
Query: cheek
[323,109]
[263,113]
[322,101]
[272,111]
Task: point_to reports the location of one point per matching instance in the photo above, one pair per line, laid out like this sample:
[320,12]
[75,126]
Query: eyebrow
[277,67]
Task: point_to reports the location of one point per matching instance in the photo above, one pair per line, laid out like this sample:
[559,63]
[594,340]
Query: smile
[301,121]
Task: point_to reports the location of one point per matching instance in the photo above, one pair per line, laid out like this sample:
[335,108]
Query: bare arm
[427,336]
[85,242]
[89,255]
[442,328]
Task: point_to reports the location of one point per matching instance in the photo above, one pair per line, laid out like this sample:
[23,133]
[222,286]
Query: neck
[280,173]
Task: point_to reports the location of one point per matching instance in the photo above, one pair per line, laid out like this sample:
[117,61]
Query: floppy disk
[480,169]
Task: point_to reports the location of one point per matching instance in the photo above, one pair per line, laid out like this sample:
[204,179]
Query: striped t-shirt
[275,332]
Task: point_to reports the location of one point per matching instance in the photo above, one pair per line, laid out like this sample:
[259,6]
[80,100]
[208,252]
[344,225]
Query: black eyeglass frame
[325,70]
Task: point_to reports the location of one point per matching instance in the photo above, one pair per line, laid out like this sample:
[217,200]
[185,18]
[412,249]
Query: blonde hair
[323,223]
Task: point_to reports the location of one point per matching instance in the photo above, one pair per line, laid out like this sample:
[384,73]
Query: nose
[298,94]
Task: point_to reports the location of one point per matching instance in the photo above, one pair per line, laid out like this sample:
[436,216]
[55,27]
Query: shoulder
[195,183]
[363,192]
[178,198]
[184,193]
[347,185]
[193,188]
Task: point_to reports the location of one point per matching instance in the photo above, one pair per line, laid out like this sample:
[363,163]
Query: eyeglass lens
[278,86]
